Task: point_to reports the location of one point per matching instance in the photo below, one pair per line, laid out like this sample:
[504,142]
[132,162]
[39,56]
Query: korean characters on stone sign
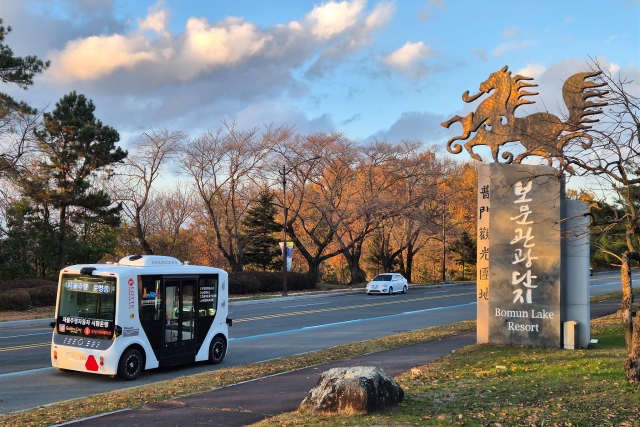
[521,277]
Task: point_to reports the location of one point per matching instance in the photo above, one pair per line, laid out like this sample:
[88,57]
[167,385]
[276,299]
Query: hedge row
[254,282]
[22,294]
[26,284]
[24,298]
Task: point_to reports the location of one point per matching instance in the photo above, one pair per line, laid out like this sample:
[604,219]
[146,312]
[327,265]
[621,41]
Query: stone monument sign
[521,286]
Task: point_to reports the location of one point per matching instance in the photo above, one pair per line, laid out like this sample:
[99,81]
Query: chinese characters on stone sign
[482,260]
[483,241]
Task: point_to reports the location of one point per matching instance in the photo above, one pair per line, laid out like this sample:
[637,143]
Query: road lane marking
[304,305]
[605,284]
[23,347]
[30,371]
[26,335]
[325,310]
[347,322]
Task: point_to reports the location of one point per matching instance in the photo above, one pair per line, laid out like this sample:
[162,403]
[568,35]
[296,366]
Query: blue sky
[371,69]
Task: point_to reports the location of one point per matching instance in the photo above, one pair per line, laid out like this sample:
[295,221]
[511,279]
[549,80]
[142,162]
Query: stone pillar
[575,269]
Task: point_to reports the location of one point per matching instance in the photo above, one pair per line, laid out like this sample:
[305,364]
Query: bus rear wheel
[217,350]
[130,365]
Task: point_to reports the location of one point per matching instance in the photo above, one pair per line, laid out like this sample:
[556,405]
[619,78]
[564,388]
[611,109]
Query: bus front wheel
[130,365]
[217,350]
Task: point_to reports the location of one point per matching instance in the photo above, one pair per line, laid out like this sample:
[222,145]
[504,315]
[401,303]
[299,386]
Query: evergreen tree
[29,247]
[465,247]
[76,147]
[17,119]
[258,228]
[16,69]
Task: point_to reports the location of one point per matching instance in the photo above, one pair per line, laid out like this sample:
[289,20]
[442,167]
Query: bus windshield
[87,306]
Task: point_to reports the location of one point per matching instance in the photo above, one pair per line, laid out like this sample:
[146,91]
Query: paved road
[305,324]
[260,332]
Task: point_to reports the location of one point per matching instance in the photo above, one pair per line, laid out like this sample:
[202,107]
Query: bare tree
[307,226]
[225,166]
[613,163]
[173,209]
[415,210]
[135,181]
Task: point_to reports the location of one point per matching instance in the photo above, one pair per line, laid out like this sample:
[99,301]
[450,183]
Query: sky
[386,70]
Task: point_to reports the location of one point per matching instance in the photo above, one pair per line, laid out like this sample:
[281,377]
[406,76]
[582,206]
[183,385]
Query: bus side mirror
[229,321]
[52,325]
[118,330]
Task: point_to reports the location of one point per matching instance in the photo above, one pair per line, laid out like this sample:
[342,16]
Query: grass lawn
[490,385]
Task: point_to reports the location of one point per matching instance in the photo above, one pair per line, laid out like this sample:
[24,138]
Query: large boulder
[349,391]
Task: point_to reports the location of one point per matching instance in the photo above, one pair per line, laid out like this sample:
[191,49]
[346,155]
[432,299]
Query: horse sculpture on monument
[542,134]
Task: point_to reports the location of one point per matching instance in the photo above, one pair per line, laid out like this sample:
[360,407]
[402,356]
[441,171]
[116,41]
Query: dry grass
[32,313]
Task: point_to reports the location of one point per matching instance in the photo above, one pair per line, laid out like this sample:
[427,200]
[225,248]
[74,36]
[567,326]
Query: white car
[387,283]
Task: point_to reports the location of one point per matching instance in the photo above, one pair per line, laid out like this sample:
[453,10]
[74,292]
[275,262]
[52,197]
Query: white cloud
[380,15]
[94,57]
[613,68]
[510,32]
[408,55]
[228,43]
[515,45]
[156,19]
[351,38]
[532,70]
[333,18]
[333,30]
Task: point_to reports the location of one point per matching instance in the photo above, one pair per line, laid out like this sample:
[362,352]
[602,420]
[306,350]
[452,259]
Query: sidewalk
[246,403]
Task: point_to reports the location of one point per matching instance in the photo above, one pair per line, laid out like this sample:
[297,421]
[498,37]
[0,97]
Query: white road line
[304,305]
[26,335]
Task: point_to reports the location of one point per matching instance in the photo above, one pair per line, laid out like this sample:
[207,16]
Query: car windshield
[383,278]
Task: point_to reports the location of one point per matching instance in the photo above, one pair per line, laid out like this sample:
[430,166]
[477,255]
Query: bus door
[180,320]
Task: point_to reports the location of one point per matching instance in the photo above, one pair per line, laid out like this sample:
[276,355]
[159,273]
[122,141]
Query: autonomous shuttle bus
[143,312]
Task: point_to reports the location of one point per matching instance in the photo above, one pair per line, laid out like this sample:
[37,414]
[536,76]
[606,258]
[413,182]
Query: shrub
[252,282]
[26,284]
[24,293]
[43,296]
[15,299]
[240,284]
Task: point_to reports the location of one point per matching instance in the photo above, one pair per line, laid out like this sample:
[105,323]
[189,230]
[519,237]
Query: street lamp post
[283,173]
[444,235]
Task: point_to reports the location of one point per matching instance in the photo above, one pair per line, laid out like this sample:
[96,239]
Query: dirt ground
[33,313]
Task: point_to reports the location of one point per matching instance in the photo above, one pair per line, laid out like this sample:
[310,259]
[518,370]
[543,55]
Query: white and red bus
[143,312]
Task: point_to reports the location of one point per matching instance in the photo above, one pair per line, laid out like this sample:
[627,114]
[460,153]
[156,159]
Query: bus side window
[150,298]
[208,296]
